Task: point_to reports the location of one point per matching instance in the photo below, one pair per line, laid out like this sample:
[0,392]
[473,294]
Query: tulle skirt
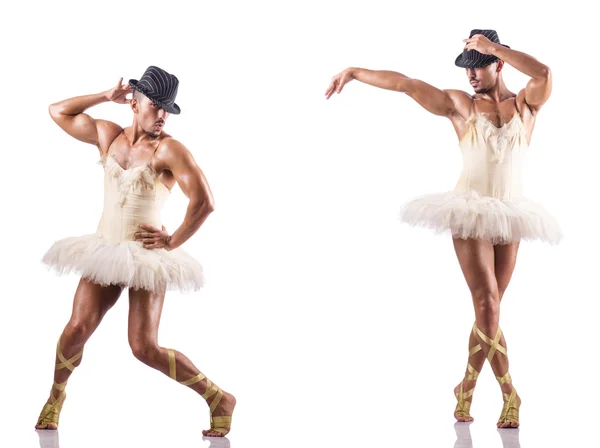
[125,263]
[469,215]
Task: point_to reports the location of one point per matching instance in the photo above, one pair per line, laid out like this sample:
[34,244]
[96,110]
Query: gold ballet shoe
[220,424]
[510,410]
[463,406]
[51,411]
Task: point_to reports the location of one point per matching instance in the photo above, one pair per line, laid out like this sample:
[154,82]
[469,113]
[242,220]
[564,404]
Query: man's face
[484,78]
[149,116]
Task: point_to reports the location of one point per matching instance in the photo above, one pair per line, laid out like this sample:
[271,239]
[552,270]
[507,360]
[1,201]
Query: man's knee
[486,301]
[144,350]
[76,333]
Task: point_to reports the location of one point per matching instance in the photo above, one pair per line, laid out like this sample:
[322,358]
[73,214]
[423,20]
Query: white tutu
[126,263]
[113,256]
[487,202]
[470,215]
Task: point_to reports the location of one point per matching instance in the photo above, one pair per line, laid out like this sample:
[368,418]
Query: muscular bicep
[538,90]
[189,176]
[80,126]
[84,128]
[434,100]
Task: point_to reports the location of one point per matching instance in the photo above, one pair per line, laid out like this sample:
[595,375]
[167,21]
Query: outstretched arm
[445,103]
[69,115]
[175,157]
[538,89]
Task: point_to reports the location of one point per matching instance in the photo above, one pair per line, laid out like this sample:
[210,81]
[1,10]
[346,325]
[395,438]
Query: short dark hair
[137,95]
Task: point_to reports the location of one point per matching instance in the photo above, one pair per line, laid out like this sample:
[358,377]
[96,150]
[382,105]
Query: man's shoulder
[107,125]
[456,93]
[170,147]
[460,98]
[169,143]
[108,131]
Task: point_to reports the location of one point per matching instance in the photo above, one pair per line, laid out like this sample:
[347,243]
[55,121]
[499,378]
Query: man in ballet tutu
[486,213]
[131,249]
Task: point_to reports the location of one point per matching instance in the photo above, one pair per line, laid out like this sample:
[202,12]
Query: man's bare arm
[190,178]
[539,88]
[69,115]
[439,102]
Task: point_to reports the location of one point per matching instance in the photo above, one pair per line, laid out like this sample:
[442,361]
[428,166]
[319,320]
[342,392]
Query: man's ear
[135,105]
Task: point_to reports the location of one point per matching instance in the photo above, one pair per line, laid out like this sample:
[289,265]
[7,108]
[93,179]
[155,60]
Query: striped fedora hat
[160,87]
[475,59]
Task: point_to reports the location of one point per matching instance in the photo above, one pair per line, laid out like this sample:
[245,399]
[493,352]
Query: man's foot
[221,417]
[464,391]
[464,398]
[509,418]
[50,414]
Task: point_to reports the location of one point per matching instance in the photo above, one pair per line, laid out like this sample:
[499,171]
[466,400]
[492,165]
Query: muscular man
[486,213]
[131,249]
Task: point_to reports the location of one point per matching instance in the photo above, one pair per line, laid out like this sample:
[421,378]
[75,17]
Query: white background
[332,323]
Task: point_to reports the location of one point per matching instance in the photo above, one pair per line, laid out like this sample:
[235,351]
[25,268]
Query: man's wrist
[496,48]
[168,241]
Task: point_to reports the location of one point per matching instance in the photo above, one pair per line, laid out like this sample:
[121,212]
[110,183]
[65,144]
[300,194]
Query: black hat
[475,59]
[160,87]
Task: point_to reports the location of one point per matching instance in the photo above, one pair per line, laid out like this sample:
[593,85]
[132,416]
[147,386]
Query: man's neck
[137,135]
[499,92]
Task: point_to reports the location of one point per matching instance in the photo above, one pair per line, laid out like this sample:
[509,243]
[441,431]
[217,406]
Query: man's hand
[119,92]
[480,43]
[154,238]
[338,82]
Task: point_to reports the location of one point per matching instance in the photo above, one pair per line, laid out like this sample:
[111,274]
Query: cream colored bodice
[492,157]
[132,197]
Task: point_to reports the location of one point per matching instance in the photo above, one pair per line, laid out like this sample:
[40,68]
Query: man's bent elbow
[206,206]
[209,207]
[55,110]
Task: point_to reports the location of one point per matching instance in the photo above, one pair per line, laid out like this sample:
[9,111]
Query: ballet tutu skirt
[487,202]
[112,256]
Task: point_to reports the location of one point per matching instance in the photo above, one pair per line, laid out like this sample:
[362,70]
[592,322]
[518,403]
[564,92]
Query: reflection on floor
[510,437]
[217,442]
[49,439]
[463,435]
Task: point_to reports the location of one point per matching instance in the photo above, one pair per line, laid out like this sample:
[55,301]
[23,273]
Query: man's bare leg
[477,261]
[145,309]
[90,304]
[505,258]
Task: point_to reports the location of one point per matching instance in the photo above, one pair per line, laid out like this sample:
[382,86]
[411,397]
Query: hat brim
[460,62]
[171,108]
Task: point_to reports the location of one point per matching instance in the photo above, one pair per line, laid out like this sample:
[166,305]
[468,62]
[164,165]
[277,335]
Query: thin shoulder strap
[472,111]
[155,149]
[517,105]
